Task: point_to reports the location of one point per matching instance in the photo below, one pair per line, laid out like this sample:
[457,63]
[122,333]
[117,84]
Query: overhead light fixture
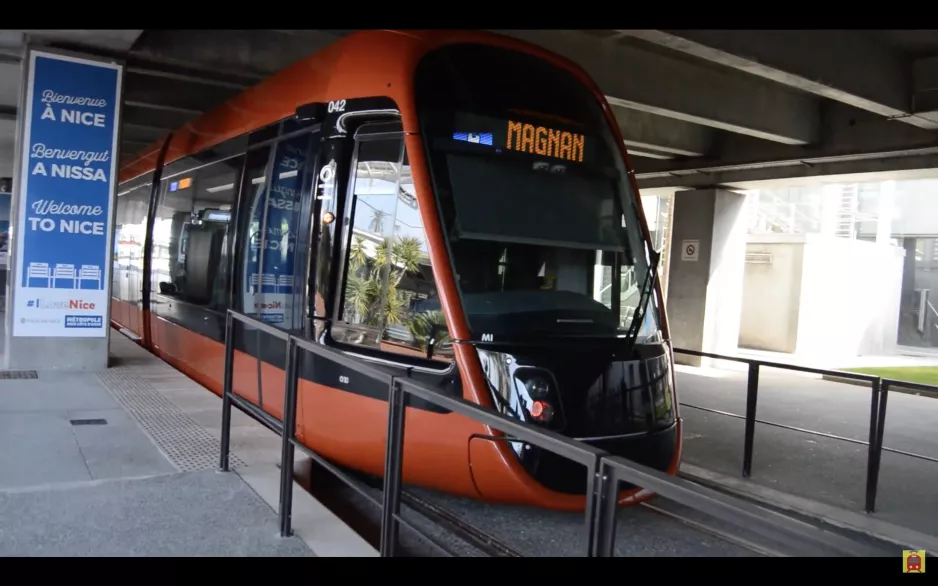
[220,188]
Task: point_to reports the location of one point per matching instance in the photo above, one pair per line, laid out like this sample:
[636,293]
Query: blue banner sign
[67,180]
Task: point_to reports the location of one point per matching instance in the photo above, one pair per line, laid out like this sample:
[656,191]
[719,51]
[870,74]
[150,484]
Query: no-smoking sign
[690,250]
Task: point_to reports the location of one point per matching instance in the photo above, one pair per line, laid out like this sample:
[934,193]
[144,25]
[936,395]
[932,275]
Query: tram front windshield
[541,224]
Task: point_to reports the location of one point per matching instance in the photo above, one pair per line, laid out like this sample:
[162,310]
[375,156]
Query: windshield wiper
[648,287]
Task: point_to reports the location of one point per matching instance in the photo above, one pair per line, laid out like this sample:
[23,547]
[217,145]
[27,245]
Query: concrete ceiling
[697,108]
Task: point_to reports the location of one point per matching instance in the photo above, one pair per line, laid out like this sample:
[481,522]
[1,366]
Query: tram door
[276,254]
[386,301]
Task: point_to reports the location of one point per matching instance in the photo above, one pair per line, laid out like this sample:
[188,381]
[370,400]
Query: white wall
[772,292]
[821,297]
[850,298]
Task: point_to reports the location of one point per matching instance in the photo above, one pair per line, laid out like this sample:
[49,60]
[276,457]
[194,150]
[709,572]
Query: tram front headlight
[538,387]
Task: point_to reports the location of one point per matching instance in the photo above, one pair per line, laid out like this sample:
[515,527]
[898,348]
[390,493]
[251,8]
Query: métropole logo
[70,304]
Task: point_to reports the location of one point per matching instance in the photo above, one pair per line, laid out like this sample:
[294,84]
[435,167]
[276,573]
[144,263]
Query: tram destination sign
[65,197]
[541,140]
[531,137]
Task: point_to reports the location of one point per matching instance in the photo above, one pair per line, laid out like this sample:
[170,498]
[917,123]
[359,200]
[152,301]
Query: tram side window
[116,271]
[389,297]
[129,237]
[191,231]
[273,285]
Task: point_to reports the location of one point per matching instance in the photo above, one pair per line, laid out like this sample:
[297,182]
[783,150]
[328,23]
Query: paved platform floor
[203,513]
[825,470]
[123,463]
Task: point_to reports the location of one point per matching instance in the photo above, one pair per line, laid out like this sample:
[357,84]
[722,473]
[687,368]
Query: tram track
[726,536]
[365,520]
[440,524]
[460,527]
[466,531]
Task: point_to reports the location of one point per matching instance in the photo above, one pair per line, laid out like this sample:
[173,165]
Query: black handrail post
[593,499]
[393,465]
[226,392]
[875,386]
[752,394]
[878,453]
[287,439]
[606,511]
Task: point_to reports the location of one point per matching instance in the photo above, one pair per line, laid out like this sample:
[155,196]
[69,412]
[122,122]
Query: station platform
[125,463]
[821,477]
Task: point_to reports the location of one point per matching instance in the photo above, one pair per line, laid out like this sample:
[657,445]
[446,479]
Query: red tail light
[542,411]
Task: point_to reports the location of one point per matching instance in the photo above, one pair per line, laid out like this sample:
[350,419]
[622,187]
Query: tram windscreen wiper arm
[648,287]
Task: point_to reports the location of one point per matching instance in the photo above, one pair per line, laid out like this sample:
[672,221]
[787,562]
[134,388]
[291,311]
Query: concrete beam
[667,86]
[117,40]
[143,133]
[648,132]
[252,54]
[148,116]
[848,137]
[178,94]
[836,64]
[925,88]
[186,77]
[879,163]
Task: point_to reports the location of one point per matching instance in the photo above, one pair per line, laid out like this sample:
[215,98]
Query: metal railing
[879,392]
[604,473]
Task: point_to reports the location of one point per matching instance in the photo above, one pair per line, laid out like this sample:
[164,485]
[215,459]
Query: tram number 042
[336,106]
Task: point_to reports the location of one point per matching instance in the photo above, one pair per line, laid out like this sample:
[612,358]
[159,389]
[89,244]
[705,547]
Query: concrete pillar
[707,262]
[908,274]
[64,192]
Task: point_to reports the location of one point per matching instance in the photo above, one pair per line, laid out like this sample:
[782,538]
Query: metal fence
[604,472]
[879,393]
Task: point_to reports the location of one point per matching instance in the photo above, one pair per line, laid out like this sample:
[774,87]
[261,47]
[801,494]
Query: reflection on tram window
[253,185]
[506,255]
[190,234]
[539,253]
[271,290]
[389,298]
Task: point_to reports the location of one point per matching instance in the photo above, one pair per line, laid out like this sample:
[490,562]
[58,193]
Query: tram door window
[273,283]
[389,299]
[190,237]
[254,187]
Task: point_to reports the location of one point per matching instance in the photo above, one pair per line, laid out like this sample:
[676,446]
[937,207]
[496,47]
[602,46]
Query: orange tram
[456,207]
